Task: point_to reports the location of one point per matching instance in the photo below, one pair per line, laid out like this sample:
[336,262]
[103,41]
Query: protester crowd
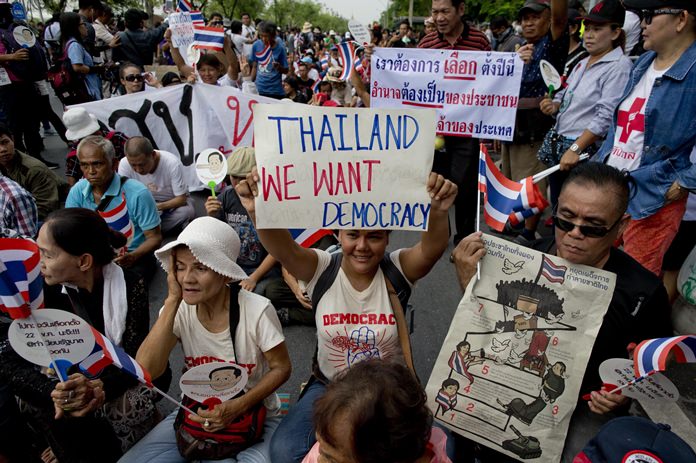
[627,68]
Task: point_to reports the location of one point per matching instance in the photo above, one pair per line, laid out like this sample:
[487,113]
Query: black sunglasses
[648,15]
[590,231]
[133,78]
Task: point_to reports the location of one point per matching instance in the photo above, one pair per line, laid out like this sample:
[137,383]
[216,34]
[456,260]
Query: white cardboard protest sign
[343,167]
[184,120]
[475,93]
[510,369]
[219,380]
[181,26]
[359,32]
[657,386]
[67,336]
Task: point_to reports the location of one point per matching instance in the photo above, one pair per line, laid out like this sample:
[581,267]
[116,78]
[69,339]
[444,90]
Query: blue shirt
[78,55]
[592,95]
[269,81]
[141,206]
[670,133]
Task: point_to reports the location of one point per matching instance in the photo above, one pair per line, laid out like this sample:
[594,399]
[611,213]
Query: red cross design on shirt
[631,120]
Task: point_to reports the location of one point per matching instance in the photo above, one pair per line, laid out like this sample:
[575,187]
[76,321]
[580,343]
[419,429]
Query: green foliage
[282,12]
[234,8]
[399,8]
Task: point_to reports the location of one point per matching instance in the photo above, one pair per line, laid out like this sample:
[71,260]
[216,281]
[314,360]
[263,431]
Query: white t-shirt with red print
[353,325]
[630,124]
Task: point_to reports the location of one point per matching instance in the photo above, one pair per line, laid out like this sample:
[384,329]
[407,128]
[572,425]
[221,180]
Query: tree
[477,10]
[235,8]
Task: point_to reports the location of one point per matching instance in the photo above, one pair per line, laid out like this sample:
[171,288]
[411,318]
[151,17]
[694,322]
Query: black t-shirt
[251,252]
[639,310]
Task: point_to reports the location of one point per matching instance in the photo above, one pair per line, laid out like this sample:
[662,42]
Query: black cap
[607,12]
[536,6]
[656,4]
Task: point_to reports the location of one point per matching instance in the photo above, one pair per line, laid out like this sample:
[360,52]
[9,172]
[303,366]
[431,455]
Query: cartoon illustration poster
[509,372]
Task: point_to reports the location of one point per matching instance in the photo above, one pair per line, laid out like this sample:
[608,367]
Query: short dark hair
[236,27]
[219,15]
[80,231]
[386,408]
[268,27]
[237,371]
[462,344]
[84,4]
[499,21]
[245,14]
[603,176]
[5,130]
[450,382]
[210,60]
[216,155]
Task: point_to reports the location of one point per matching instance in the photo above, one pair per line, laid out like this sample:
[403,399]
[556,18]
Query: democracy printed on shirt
[475,93]
[342,167]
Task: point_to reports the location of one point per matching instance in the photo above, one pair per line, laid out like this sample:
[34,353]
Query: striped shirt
[19,211]
[471,39]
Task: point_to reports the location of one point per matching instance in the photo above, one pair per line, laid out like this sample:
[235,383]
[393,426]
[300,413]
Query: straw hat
[334,75]
[212,242]
[307,27]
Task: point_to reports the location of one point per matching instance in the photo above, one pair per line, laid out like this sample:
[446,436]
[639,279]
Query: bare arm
[184,69]
[417,261]
[300,262]
[559,18]
[233,67]
[266,265]
[360,89]
[176,201]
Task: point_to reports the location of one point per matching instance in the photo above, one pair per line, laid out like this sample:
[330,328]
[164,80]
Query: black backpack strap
[397,279]
[234,313]
[106,200]
[326,279]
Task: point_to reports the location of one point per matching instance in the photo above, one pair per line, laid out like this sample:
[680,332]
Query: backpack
[69,86]
[30,70]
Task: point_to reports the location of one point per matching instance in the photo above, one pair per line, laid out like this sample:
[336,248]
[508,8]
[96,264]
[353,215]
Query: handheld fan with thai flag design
[346,51]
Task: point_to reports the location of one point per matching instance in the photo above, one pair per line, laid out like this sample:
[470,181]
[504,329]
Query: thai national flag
[347,53]
[21,285]
[184,6]
[358,65]
[264,56]
[456,363]
[209,38]
[308,236]
[315,86]
[503,198]
[197,18]
[106,353]
[552,272]
[324,62]
[651,355]
[118,218]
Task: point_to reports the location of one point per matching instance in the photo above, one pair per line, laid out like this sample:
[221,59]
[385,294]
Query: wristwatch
[574,148]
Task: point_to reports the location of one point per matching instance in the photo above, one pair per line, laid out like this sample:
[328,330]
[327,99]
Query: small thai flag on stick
[106,353]
[184,6]
[308,236]
[346,52]
[652,355]
[197,18]
[21,285]
[552,272]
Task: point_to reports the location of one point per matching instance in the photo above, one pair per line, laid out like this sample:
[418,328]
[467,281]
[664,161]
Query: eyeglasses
[133,78]
[590,231]
[648,15]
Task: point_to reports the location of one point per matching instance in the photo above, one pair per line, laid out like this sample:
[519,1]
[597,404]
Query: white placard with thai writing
[509,372]
[184,120]
[343,167]
[181,26]
[475,93]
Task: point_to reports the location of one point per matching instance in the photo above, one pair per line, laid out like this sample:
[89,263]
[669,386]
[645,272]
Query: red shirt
[471,39]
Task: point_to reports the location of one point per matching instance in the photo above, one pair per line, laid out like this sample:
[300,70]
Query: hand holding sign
[359,32]
[211,168]
[551,77]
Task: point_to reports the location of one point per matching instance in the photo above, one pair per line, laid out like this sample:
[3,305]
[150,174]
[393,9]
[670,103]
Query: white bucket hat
[212,242]
[79,123]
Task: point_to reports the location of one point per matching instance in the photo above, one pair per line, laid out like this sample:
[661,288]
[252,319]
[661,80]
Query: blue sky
[365,11]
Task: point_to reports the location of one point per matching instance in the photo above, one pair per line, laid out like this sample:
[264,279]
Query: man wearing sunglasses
[591,215]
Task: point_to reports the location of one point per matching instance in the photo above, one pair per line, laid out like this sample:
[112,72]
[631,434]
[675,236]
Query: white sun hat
[79,123]
[212,242]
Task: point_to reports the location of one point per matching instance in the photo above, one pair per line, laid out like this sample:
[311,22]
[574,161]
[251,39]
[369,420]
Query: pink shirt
[437,444]
[10,74]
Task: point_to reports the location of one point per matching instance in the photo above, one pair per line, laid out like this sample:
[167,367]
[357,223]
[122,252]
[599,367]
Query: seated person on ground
[30,173]
[104,191]
[163,174]
[19,212]
[590,217]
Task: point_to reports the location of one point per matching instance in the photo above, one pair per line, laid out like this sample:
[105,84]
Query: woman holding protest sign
[354,294]
[83,419]
[215,321]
